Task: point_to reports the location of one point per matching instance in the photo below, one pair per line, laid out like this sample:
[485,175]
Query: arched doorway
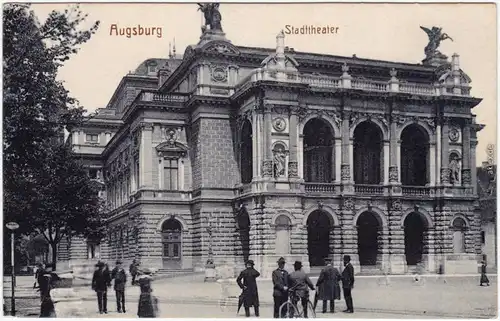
[318,237]
[243,221]
[368,227]
[414,227]
[318,150]
[246,150]
[459,227]
[367,153]
[414,156]
[283,225]
[171,231]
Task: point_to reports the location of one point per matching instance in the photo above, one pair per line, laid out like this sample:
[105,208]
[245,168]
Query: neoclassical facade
[233,152]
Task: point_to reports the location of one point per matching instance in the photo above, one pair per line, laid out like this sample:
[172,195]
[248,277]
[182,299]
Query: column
[438,154]
[345,167]
[255,145]
[445,171]
[267,167]
[160,171]
[466,154]
[292,161]
[181,174]
[338,159]
[473,146]
[145,157]
[432,161]
[386,162]
[394,154]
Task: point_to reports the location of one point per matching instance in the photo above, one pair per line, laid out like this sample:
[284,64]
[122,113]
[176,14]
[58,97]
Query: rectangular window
[92,138]
[137,174]
[483,237]
[170,174]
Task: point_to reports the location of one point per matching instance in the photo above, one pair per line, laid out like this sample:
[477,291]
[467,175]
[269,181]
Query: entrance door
[368,227]
[318,237]
[414,238]
[172,244]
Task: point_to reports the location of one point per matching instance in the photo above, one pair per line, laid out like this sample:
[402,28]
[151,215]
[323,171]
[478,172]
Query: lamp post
[12,226]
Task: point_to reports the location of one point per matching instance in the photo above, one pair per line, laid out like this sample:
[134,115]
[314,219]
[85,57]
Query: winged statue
[435,35]
[212,15]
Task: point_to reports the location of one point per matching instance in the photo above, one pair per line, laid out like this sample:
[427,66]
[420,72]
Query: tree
[37,108]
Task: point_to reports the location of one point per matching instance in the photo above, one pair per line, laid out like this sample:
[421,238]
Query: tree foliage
[46,190]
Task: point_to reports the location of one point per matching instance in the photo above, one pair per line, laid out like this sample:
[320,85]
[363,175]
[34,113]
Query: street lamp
[12,226]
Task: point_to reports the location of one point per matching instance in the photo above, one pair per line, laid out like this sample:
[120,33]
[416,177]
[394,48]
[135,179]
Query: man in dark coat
[134,269]
[484,278]
[301,284]
[280,290]
[328,286]
[247,281]
[100,282]
[46,281]
[348,283]
[120,278]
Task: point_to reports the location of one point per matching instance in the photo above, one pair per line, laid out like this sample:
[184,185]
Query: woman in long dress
[148,303]
[484,278]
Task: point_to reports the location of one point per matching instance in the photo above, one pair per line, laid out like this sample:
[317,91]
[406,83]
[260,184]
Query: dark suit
[348,284]
[247,280]
[280,295]
[301,282]
[100,282]
[328,288]
[120,278]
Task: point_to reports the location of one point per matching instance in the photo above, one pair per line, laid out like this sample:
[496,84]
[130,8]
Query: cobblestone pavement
[375,297]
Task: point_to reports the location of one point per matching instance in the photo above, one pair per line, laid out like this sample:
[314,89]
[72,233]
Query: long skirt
[484,279]
[47,308]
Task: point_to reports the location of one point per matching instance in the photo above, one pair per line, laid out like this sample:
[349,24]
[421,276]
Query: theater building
[232,152]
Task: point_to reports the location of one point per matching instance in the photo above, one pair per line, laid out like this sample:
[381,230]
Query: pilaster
[466,154]
[267,164]
[292,161]
[396,238]
[445,171]
[145,157]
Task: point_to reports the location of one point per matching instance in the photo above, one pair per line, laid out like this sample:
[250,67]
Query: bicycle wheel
[288,310]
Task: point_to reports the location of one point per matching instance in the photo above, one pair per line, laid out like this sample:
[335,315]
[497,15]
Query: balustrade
[319,187]
[364,189]
[415,190]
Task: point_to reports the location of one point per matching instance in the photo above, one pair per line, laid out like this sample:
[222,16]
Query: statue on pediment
[212,16]
[435,37]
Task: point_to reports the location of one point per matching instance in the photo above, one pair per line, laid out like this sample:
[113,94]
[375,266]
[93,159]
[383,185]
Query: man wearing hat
[120,277]
[301,282]
[280,290]
[328,286]
[348,283]
[100,282]
[247,281]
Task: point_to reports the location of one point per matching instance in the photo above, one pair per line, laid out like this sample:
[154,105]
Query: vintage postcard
[222,160]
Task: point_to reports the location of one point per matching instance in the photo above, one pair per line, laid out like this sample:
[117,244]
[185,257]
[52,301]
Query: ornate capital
[146,126]
[396,205]
[348,204]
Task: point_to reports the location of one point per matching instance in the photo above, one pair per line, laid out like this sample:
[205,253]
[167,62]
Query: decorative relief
[393,174]
[368,116]
[279,160]
[303,112]
[169,134]
[445,175]
[221,48]
[396,205]
[401,120]
[293,169]
[279,124]
[219,91]
[218,73]
[345,172]
[348,204]
[466,176]
[267,168]
[454,134]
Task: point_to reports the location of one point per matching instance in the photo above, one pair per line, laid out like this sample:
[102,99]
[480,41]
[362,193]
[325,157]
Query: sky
[370,30]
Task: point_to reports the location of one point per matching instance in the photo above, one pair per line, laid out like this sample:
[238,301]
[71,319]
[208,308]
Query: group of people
[300,284]
[102,279]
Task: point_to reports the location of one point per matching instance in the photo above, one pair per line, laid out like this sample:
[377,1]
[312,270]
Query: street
[374,297]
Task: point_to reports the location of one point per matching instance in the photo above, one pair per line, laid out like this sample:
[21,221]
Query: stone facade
[240,152]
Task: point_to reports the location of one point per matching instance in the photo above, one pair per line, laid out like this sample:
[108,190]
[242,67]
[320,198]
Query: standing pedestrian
[148,304]
[280,286]
[301,283]
[328,286]
[348,283]
[133,269]
[38,270]
[247,281]
[484,278]
[120,278]
[46,281]
[100,282]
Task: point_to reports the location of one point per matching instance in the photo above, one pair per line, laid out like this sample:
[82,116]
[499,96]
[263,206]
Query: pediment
[221,47]
[172,148]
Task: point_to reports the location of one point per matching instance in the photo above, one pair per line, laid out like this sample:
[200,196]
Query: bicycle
[293,308]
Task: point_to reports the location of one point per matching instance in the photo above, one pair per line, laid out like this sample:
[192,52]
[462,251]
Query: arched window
[414,156]
[171,231]
[283,226]
[246,150]
[459,228]
[318,146]
[367,154]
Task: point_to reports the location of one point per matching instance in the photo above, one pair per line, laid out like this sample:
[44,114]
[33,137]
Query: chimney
[455,63]
[280,49]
